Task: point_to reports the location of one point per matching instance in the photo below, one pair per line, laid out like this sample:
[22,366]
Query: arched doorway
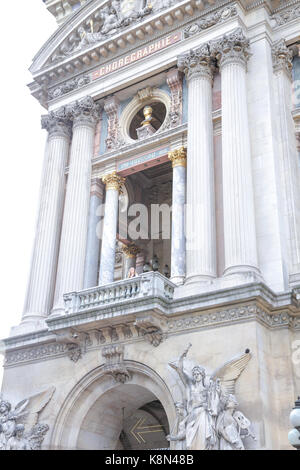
[127,417]
[102,414]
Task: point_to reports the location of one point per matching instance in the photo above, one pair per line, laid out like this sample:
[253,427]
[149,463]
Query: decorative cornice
[285,16]
[154,330]
[197,63]
[178,157]
[84,112]
[69,86]
[57,123]
[282,57]
[210,20]
[113,181]
[231,48]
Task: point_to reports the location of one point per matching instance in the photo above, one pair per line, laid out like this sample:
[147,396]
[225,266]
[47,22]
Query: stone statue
[17,441]
[178,433]
[15,421]
[230,424]
[212,421]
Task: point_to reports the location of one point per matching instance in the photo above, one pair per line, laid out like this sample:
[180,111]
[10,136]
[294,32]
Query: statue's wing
[27,411]
[231,370]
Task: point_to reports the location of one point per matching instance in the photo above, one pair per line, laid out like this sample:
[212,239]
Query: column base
[242,270]
[178,280]
[199,279]
[30,323]
[57,312]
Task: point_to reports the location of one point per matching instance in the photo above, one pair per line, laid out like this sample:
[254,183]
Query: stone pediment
[102,29]
[103,22]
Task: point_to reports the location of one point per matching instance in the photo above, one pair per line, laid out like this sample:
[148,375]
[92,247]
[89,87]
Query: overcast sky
[22,149]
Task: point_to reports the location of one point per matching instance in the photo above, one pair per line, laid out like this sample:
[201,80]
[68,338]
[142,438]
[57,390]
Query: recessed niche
[158,116]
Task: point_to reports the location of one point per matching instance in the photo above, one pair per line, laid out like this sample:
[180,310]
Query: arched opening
[128,417]
[100,413]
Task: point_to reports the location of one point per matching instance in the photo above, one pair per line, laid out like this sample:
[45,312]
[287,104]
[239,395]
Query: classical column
[71,262]
[288,155]
[113,184]
[200,214]
[92,259]
[130,254]
[41,283]
[178,159]
[232,53]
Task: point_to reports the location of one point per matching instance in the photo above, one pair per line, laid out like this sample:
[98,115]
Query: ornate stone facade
[169,215]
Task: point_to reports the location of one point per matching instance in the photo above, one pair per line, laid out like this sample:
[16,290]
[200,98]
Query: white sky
[22,149]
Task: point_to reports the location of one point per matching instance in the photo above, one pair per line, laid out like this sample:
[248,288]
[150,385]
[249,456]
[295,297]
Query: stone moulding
[51,74]
[283,17]
[130,330]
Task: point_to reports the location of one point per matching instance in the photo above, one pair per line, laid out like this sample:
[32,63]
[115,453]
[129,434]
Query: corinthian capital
[57,123]
[231,48]
[178,157]
[282,57]
[196,63]
[84,112]
[113,181]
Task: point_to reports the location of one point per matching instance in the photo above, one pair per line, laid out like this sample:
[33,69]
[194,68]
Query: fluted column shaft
[288,155]
[41,285]
[178,254]
[70,273]
[91,269]
[108,251]
[232,53]
[200,214]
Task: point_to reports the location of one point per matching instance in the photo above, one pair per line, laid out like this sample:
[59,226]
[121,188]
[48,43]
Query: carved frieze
[286,16]
[210,20]
[69,86]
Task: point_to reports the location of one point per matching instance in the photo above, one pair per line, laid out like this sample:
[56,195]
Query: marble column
[92,259]
[200,213]
[70,272]
[178,159]
[113,183]
[232,53]
[41,283]
[288,154]
[130,254]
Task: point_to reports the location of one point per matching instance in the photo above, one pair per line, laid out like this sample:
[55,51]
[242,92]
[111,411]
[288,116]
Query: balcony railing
[151,284]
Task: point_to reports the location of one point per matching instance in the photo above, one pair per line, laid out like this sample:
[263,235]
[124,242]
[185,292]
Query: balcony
[151,285]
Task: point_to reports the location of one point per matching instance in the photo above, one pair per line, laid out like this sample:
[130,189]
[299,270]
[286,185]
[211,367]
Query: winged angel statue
[208,419]
[19,426]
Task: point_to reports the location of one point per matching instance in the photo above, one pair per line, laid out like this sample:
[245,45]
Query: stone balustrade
[151,284]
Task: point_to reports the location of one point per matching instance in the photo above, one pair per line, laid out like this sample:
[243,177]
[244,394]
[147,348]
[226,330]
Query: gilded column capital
[113,181]
[57,123]
[197,63]
[231,48]
[178,157]
[130,251]
[84,112]
[282,57]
